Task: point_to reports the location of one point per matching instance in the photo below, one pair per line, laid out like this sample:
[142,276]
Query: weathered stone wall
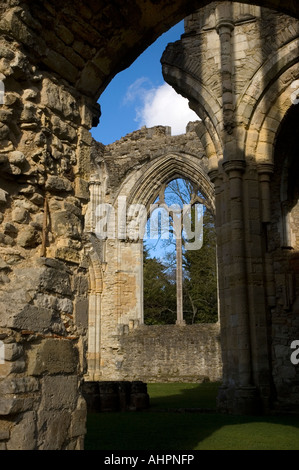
[236,64]
[171,353]
[283,246]
[133,170]
[45,146]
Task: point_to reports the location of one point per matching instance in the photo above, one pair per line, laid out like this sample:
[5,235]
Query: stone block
[65,305]
[59,100]
[11,368]
[81,312]
[63,130]
[61,65]
[18,385]
[33,318]
[78,423]
[55,281]
[23,433]
[82,189]
[13,351]
[65,34]
[80,284]
[29,237]
[12,405]
[3,196]
[17,158]
[59,392]
[10,229]
[52,429]
[20,215]
[52,356]
[66,224]
[68,254]
[56,183]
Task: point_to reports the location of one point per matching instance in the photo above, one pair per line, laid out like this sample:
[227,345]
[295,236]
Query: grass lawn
[167,426]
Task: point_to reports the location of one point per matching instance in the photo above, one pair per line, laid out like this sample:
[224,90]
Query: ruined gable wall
[129,349]
[142,147]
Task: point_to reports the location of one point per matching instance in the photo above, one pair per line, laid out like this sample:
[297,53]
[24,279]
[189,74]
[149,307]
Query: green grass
[175,429]
[181,395]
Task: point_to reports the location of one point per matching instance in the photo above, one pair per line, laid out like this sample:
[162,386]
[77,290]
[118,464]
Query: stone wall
[132,171]
[44,152]
[172,353]
[284,247]
[236,64]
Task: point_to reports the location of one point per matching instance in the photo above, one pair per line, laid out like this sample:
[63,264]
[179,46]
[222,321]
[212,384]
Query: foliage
[159,293]
[199,271]
[200,286]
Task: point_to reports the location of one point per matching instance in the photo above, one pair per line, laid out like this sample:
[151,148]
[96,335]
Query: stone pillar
[225,27]
[94,331]
[220,222]
[265,171]
[179,281]
[239,314]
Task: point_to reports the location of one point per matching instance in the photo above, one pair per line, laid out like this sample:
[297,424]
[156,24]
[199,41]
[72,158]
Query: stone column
[94,330]
[265,171]
[239,315]
[179,281]
[225,27]
[240,395]
[217,180]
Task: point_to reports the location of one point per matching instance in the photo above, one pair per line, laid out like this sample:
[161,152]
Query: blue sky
[139,96]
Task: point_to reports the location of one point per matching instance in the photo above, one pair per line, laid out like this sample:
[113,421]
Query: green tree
[159,293]
[200,281]
[199,269]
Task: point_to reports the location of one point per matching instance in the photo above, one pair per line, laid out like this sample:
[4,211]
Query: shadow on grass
[179,396]
[174,423]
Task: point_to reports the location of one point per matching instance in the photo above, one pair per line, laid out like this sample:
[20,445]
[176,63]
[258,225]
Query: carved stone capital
[265,168]
[234,166]
[214,175]
[225,24]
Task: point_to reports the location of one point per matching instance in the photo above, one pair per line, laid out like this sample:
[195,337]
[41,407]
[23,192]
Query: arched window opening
[289,184]
[180,276]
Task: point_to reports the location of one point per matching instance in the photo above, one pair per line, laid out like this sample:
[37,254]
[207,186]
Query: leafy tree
[159,292]
[200,283]
[199,271]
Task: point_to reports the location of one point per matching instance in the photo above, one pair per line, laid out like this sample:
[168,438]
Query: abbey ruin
[71,301]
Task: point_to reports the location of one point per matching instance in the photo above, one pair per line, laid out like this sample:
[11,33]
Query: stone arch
[262,109]
[284,248]
[143,187]
[201,100]
[168,157]
[93,253]
[113,36]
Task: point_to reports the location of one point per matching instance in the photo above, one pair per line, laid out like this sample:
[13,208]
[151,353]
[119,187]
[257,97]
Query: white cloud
[137,90]
[159,106]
